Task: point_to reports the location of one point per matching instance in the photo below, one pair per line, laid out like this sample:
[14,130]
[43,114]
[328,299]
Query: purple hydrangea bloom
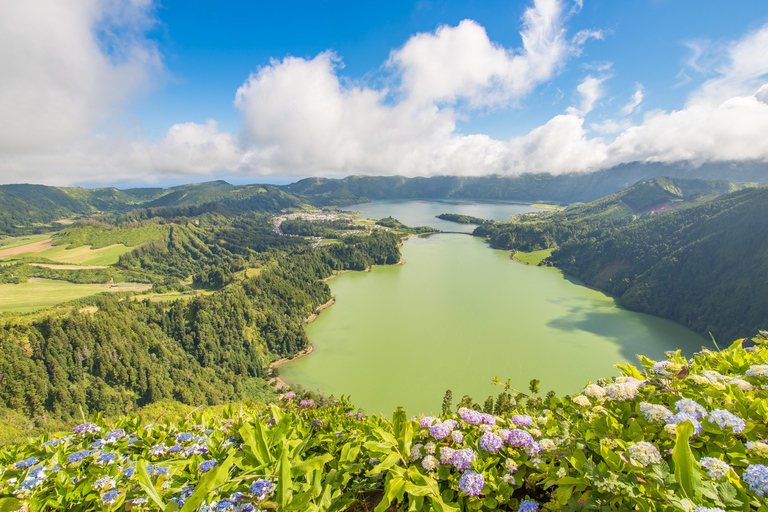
[260,488]
[725,419]
[289,396]
[439,431]
[533,449]
[471,483]
[462,459]
[520,438]
[86,428]
[446,455]
[427,421]
[522,420]
[470,416]
[78,456]
[491,442]
[488,419]
[307,403]
[207,465]
[756,476]
[175,448]
[451,424]
[528,506]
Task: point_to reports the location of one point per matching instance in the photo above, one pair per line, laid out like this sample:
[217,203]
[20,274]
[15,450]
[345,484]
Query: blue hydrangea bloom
[28,462]
[756,476]
[528,506]
[207,465]
[725,419]
[462,459]
[491,442]
[260,488]
[109,497]
[520,438]
[682,417]
[439,431]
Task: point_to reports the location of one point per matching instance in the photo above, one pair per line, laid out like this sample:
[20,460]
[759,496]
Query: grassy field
[83,255]
[43,293]
[532,258]
[9,242]
[162,297]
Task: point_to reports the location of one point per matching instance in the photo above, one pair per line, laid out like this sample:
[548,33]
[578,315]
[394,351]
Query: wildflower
[457,436]
[521,420]
[289,396]
[470,416]
[416,452]
[260,488]
[307,403]
[207,465]
[462,459]
[427,421]
[317,424]
[109,497]
[373,461]
[756,476]
[725,419]
[759,447]
[582,401]
[594,391]
[471,483]
[716,468]
[760,370]
[520,438]
[429,463]
[26,463]
[645,453]
[491,442]
[547,445]
[655,412]
[528,506]
[439,431]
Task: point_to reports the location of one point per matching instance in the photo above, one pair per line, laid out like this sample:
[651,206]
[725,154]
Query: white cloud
[634,102]
[590,90]
[66,66]
[463,63]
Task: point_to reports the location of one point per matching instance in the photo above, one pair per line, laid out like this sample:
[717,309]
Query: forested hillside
[704,266]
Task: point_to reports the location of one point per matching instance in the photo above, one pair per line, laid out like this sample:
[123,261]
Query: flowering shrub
[681,434]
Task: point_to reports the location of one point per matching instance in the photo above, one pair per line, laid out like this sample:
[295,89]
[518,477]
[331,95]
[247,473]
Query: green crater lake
[459,313]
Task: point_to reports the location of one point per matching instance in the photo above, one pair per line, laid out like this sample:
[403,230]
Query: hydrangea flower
[307,403]
[740,383]
[427,421]
[666,368]
[207,465]
[759,447]
[416,452]
[528,506]
[520,439]
[260,488]
[691,408]
[78,456]
[439,431]
[716,468]
[595,392]
[462,459]
[682,417]
[508,478]
[707,509]
[26,463]
[581,401]
[654,413]
[491,442]
[470,416]
[725,419]
[488,419]
[106,458]
[521,420]
[109,497]
[457,436]
[533,449]
[430,447]
[158,450]
[429,463]
[621,391]
[104,482]
[756,476]
[86,428]
[645,453]
[184,437]
[471,483]
[451,424]
[759,370]
[548,445]
[446,455]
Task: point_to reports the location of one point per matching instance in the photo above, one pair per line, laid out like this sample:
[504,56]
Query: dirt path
[33,247]
[68,267]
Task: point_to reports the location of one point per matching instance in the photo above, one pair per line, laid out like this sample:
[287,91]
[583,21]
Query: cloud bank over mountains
[76,64]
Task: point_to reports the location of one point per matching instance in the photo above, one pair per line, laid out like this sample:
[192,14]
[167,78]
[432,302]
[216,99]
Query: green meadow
[41,293]
[82,255]
[533,257]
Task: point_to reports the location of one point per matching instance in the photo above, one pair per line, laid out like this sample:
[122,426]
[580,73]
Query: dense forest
[208,349]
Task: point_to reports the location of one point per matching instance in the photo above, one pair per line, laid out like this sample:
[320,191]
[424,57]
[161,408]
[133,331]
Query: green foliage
[461,219]
[617,447]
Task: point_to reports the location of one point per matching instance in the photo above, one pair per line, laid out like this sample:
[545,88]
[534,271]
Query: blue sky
[140,92]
